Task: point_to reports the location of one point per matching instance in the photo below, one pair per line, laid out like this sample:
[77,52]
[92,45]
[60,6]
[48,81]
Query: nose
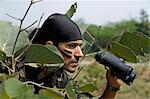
[78,52]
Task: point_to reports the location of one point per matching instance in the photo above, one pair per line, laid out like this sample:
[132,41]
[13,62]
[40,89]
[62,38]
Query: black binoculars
[117,66]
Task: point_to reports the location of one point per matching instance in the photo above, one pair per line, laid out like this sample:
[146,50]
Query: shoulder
[56,79]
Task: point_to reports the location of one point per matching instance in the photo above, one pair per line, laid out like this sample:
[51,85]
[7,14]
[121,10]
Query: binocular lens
[130,78]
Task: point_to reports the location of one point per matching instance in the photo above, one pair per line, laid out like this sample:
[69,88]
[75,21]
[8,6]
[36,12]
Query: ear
[49,42]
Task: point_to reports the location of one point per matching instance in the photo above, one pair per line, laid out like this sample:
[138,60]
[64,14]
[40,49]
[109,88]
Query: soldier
[62,32]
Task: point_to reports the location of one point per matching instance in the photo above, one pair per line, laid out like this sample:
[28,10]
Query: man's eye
[71,46]
[80,45]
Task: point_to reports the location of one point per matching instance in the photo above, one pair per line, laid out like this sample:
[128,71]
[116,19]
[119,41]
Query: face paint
[71,54]
[67,53]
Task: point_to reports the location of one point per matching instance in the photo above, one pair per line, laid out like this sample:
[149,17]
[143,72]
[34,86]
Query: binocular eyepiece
[117,66]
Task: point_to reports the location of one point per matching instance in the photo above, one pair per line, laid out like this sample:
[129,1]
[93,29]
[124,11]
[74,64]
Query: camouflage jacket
[57,78]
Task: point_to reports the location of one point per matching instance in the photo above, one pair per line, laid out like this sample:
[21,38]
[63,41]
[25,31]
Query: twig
[88,49]
[99,30]
[90,54]
[30,82]
[89,35]
[30,43]
[28,26]
[21,22]
[13,17]
[112,39]
[93,39]
[37,28]
[39,85]
[35,1]
[3,64]
[87,42]
[77,73]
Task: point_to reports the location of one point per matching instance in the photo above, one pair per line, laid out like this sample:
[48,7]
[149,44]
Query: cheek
[67,53]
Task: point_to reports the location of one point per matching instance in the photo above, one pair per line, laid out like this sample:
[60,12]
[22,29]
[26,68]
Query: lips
[74,64]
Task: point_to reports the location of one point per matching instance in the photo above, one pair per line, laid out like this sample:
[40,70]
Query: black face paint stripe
[67,53]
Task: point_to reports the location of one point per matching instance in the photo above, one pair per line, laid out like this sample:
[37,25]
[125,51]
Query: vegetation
[16,50]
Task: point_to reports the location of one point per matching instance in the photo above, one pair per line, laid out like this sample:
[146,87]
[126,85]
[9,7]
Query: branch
[87,42]
[30,82]
[3,64]
[90,35]
[21,22]
[90,54]
[13,51]
[77,73]
[88,50]
[99,30]
[37,28]
[39,85]
[35,1]
[28,26]
[30,43]
[92,38]
[13,17]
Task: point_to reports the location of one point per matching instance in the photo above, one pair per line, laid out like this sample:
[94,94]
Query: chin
[71,70]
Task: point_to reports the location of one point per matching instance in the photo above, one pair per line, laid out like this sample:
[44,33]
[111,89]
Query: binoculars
[117,66]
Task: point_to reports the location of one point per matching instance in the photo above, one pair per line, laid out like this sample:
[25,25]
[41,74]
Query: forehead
[73,42]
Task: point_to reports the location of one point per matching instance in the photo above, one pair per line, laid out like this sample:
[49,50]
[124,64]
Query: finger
[108,72]
[106,67]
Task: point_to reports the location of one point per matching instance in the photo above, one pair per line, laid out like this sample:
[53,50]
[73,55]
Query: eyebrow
[74,43]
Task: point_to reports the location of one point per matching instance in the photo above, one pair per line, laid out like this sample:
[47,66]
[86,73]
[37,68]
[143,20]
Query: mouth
[75,64]
[71,67]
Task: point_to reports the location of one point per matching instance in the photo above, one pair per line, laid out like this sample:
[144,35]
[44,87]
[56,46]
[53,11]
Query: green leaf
[70,91]
[93,30]
[88,38]
[54,49]
[118,37]
[29,94]
[72,10]
[136,41]
[3,94]
[14,87]
[8,34]
[88,88]
[123,52]
[2,55]
[51,93]
[86,47]
[5,76]
[37,53]
[1,76]
[88,42]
